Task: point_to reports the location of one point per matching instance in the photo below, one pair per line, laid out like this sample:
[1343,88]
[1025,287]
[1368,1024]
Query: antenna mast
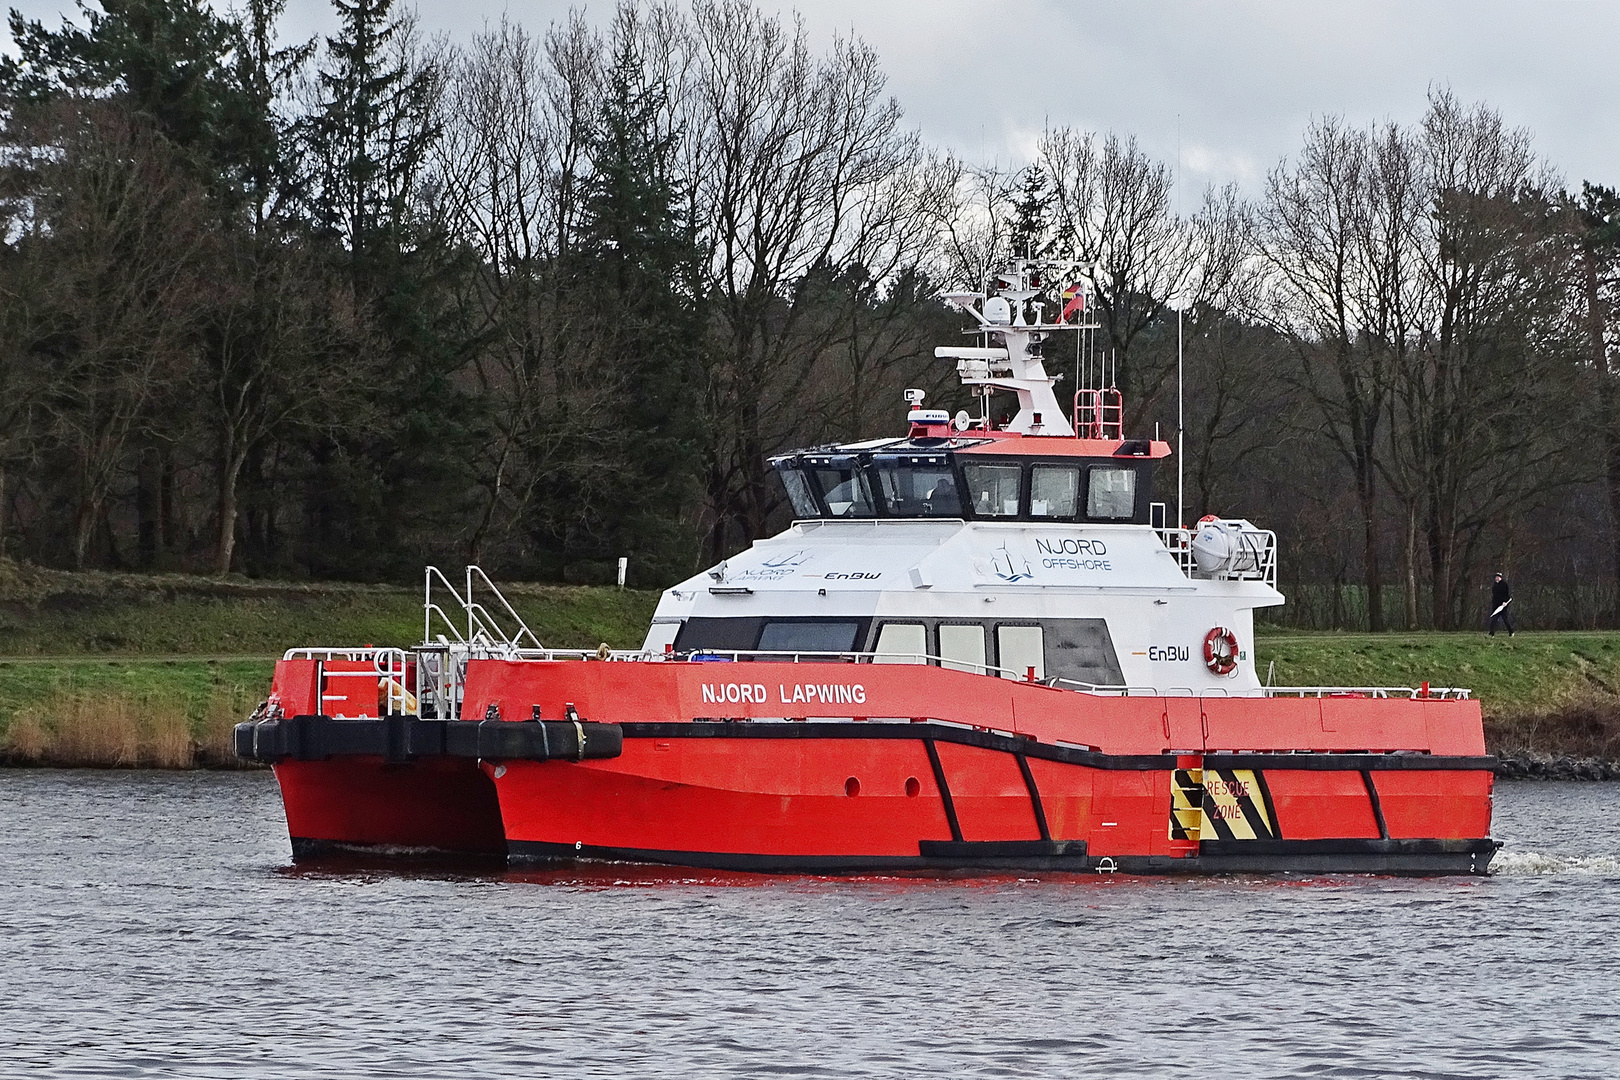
[1181,457]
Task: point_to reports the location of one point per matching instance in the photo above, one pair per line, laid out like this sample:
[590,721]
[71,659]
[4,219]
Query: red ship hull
[986,774]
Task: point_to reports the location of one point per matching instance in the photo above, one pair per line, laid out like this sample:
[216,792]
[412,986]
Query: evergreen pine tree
[1029,229]
[636,261]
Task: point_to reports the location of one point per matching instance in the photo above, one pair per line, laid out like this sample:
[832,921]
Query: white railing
[1256,561]
[390,667]
[1179,543]
[441,671]
[1421,693]
[483,625]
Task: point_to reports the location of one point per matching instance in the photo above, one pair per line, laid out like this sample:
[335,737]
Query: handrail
[931,659]
[1432,693]
[440,671]
[428,606]
[390,666]
[482,623]
[523,627]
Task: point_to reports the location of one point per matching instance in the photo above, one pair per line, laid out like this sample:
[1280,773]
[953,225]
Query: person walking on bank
[1501,597]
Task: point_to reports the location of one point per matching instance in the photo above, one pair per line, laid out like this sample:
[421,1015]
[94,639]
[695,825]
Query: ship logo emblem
[1007,569]
[783,561]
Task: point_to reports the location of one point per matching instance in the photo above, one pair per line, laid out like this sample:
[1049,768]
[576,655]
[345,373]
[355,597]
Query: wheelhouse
[1084,481]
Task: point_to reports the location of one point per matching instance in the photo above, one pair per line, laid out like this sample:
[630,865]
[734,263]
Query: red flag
[1073,300]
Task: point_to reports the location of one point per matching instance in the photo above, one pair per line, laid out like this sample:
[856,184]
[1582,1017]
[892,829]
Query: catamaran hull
[840,798]
[364,803]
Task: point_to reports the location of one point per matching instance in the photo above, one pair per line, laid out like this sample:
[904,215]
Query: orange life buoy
[1221,651]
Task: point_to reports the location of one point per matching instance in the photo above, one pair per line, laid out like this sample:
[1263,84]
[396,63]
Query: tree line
[335,308]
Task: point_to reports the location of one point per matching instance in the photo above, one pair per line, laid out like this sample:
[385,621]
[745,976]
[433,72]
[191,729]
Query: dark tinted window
[798,492]
[799,636]
[843,488]
[918,487]
[993,488]
[726,635]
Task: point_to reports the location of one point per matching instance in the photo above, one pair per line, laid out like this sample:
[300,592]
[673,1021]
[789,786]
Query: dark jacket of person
[1500,593]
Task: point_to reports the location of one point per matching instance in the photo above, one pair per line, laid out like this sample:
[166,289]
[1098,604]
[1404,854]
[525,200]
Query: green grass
[176,637]
[86,700]
[172,637]
[1542,693]
[1528,673]
[50,613]
[28,683]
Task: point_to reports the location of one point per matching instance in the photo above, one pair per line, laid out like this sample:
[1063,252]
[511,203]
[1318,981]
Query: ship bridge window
[842,487]
[918,487]
[1054,491]
[798,492]
[1111,493]
[993,489]
[807,636]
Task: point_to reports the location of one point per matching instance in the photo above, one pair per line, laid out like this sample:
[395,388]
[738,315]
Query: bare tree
[1480,393]
[801,169]
[1314,238]
[1116,221]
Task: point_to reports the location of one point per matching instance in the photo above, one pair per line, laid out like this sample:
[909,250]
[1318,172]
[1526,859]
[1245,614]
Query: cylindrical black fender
[548,740]
[400,738]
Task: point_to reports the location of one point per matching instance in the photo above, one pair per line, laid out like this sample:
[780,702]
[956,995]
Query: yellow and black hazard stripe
[1186,804]
[1236,806]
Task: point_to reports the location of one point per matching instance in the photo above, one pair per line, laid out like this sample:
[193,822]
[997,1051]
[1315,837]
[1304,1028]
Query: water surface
[151,924]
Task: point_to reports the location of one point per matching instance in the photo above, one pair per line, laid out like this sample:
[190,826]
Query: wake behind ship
[978,646]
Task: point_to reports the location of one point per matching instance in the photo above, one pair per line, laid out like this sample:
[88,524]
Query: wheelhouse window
[914,486]
[1111,493]
[798,491]
[1054,491]
[842,486]
[993,489]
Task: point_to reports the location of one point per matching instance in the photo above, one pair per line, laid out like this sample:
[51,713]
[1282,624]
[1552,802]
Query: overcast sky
[1239,81]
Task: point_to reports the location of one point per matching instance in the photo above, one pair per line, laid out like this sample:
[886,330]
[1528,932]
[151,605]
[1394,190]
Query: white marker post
[624,564]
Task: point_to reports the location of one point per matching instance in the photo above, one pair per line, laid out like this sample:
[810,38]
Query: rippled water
[151,925]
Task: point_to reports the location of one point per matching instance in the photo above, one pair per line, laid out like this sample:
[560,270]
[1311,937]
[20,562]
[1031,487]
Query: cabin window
[1082,650]
[1019,648]
[843,488]
[961,647]
[1054,491]
[808,637]
[1111,493]
[799,493]
[901,643]
[993,489]
[918,487]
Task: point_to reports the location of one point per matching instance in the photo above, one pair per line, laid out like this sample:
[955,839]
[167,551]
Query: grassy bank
[143,656]
[53,613]
[1543,693]
[127,669]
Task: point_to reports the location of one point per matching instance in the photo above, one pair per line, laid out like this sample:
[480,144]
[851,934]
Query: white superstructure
[1023,550]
